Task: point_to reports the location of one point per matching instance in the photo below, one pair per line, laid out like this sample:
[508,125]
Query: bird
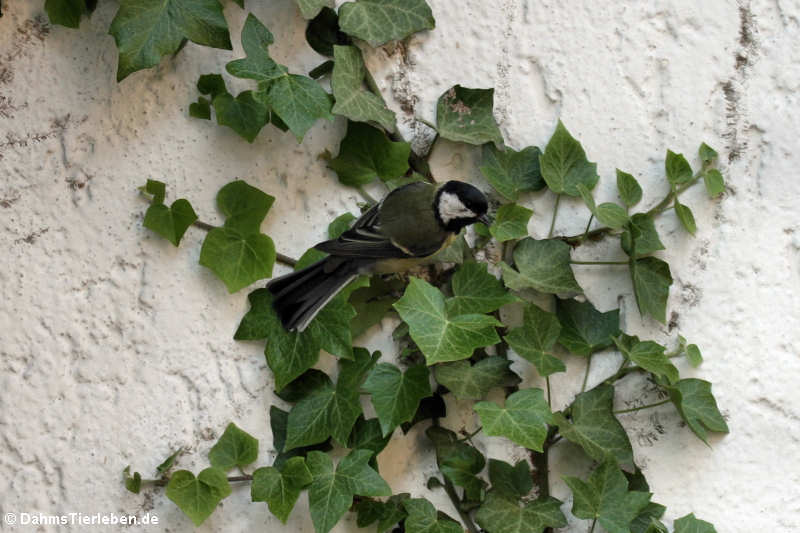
[406,228]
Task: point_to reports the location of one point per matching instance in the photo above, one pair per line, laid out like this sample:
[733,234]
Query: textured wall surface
[116,347]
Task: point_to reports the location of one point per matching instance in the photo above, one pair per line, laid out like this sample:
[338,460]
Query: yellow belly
[387,266]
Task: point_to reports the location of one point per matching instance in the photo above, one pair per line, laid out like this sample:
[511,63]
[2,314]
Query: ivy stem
[599,262]
[453,495]
[586,232]
[586,375]
[555,212]
[547,383]
[161,482]
[594,522]
[366,196]
[470,435]
[648,406]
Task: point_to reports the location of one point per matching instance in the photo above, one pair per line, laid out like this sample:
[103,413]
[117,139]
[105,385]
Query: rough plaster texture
[116,347]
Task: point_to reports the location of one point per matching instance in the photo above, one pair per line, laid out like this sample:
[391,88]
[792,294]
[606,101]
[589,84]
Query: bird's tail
[299,296]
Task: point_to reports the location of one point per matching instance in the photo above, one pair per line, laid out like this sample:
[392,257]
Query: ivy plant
[456,332]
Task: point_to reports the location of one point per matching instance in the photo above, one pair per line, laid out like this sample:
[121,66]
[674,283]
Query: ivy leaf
[455,253]
[641,231]
[147,30]
[367,435]
[473,382]
[66,12]
[168,462]
[310,8]
[372,303]
[458,461]
[511,222]
[212,85]
[476,291]
[648,355]
[651,282]
[685,216]
[511,172]
[586,330]
[380,21]
[331,492]
[423,518]
[278,421]
[234,448]
[691,524]
[237,253]
[352,101]
[323,33]
[280,488]
[243,114]
[534,340]
[605,497]
[501,515]
[647,520]
[630,192]
[198,496]
[607,213]
[678,169]
[396,394]
[706,153]
[595,428]
[697,407]
[340,224]
[200,109]
[440,336]
[715,183]
[169,222]
[693,355]
[133,483]
[366,153]
[523,419]
[564,164]
[311,380]
[511,482]
[465,115]
[543,265]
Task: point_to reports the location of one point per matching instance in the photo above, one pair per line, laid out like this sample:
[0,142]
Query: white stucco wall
[116,347]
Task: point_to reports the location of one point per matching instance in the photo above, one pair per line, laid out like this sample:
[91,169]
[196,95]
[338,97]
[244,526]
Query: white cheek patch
[451,208]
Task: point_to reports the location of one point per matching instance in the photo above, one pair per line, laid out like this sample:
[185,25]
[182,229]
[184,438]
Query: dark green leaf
[396,394]
[198,496]
[697,406]
[630,192]
[594,428]
[511,172]
[280,488]
[501,515]
[686,217]
[372,303]
[133,483]
[535,339]
[244,114]
[690,524]
[310,8]
[352,100]
[611,215]
[168,462]
[648,355]
[647,521]
[147,30]
[511,222]
[707,154]
[65,12]
[461,464]
[641,230]
[584,329]
[543,265]
[465,115]
[473,382]
[523,419]
[476,291]
[714,181]
[169,222]
[367,435]
[564,164]
[379,21]
[651,282]
[311,380]
[430,407]
[200,109]
[237,259]
[366,153]
[340,224]
[234,448]
[423,518]
[211,84]
[323,33]
[511,482]
[678,169]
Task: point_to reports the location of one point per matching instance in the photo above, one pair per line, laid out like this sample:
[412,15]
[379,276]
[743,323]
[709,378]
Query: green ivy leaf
[458,461]
[243,114]
[693,355]
[340,224]
[280,488]
[564,164]
[331,492]
[697,406]
[169,222]
[707,154]
[440,336]
[501,515]
[605,497]
[535,339]
[686,217]
[612,215]
[647,520]
[651,282]
[511,172]
[198,496]
[234,448]
[473,382]
[595,428]
[511,222]
[200,109]
[465,115]
[237,253]
[457,252]
[476,291]
[352,101]
[278,421]
[323,33]
[523,419]
[372,303]
[66,12]
[147,30]
[367,435]
[396,394]
[511,482]
[715,183]
[431,407]
[380,21]
[168,462]
[678,169]
[423,518]
[310,8]
[543,265]
[366,153]
[630,192]
[691,524]
[584,329]
[133,483]
[648,355]
[212,85]
[641,231]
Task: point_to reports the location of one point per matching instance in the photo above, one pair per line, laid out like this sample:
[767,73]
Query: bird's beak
[484,218]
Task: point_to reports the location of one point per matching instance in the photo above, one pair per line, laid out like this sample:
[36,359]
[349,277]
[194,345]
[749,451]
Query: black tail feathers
[299,296]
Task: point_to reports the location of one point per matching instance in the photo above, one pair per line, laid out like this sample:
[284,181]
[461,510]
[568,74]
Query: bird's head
[459,204]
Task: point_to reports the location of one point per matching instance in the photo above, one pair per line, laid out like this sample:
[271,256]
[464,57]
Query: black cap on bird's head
[459,204]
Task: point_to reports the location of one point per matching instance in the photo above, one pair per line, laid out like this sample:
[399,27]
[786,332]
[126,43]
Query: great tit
[406,228]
